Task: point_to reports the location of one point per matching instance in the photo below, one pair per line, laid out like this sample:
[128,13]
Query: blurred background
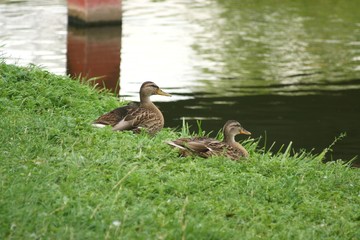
[287,70]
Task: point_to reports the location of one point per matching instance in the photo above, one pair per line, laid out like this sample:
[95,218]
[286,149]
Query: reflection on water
[95,52]
[290,69]
[287,68]
[290,43]
[34,32]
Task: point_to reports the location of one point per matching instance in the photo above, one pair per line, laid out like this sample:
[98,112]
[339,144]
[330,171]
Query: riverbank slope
[61,178]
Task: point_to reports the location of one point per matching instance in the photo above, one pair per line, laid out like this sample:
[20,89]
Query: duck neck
[230,140]
[145,102]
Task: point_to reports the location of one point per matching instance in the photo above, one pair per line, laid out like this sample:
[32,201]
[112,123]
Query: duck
[135,117]
[207,147]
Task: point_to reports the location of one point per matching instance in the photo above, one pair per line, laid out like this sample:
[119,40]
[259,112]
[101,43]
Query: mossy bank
[60,178]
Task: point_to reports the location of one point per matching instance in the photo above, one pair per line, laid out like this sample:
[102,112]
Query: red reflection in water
[95,52]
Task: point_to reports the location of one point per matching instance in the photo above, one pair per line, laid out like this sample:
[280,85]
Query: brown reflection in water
[95,52]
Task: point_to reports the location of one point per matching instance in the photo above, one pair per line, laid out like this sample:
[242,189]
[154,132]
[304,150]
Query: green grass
[62,179]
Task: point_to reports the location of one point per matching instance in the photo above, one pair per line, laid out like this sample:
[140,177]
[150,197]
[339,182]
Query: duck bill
[161,92]
[244,131]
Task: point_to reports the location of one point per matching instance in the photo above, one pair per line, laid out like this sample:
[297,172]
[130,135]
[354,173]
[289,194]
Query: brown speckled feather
[207,147]
[132,117]
[144,118]
[116,115]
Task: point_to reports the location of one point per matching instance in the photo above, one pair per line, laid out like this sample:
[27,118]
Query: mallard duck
[135,117]
[207,147]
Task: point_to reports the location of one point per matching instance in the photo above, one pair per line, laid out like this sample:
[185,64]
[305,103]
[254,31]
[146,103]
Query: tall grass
[62,179]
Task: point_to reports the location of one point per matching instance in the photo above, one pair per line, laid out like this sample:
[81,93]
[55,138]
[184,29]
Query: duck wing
[116,115]
[140,118]
[201,146]
[205,147]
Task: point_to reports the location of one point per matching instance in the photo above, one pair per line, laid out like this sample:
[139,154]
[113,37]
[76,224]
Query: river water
[287,70]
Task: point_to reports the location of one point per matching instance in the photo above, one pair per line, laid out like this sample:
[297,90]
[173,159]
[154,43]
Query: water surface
[289,70]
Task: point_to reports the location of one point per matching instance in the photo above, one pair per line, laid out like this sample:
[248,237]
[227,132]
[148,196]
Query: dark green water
[289,70]
[309,121]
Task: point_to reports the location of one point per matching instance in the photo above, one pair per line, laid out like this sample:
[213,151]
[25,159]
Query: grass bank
[62,179]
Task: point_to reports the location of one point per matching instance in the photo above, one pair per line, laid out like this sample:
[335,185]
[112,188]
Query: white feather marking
[99,125]
[122,125]
[175,145]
